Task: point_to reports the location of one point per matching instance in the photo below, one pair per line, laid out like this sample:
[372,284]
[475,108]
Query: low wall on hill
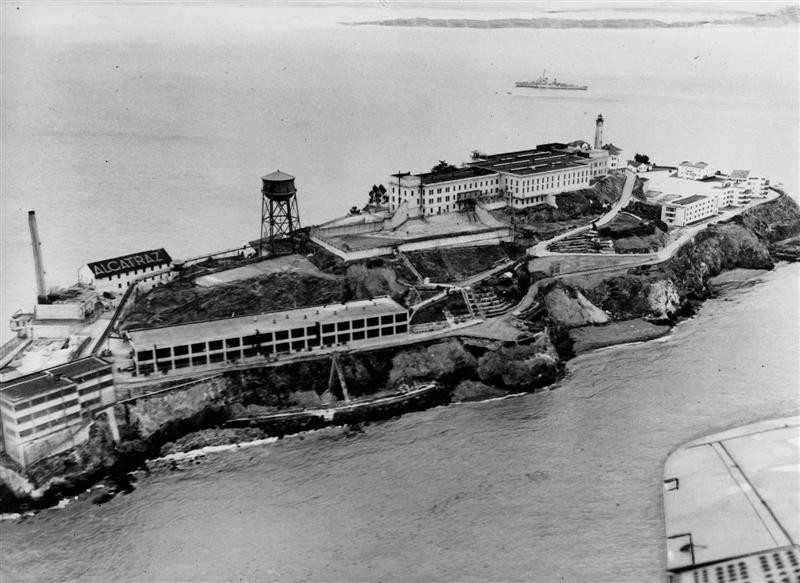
[575,262]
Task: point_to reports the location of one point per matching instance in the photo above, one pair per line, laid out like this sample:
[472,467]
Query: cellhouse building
[313,329]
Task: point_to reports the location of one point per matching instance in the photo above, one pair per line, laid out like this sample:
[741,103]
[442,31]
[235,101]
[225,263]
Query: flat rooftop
[31,386]
[458,174]
[662,186]
[78,368]
[543,158]
[247,325]
[57,377]
[689,199]
[736,493]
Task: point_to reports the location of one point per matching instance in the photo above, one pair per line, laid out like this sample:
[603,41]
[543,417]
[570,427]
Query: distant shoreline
[782,17]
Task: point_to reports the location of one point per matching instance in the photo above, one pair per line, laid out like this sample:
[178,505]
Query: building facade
[520,179]
[115,275]
[615,158]
[638,167]
[48,412]
[197,344]
[690,209]
[694,171]
[436,193]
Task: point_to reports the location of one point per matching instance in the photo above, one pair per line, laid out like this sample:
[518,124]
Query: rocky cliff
[669,289]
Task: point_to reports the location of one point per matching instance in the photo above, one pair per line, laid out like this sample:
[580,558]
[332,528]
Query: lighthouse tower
[598,132]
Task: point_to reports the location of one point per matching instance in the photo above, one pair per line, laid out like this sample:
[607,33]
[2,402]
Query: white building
[694,171]
[758,185]
[436,193]
[519,179]
[304,330]
[534,177]
[690,209]
[638,167]
[115,275]
[48,412]
[616,160]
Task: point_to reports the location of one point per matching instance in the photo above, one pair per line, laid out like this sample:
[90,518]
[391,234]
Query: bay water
[127,131]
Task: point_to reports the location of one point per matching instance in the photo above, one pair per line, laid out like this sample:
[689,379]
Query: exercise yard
[286,264]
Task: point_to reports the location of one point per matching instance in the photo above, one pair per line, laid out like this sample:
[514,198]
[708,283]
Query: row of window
[533,200]
[97,387]
[273,337]
[146,366]
[68,392]
[44,412]
[127,274]
[61,393]
[49,424]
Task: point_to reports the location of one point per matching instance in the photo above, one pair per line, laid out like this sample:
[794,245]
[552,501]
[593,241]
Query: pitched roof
[277,176]
[693,165]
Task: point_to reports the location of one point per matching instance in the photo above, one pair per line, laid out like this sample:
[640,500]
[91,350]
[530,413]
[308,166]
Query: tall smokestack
[41,290]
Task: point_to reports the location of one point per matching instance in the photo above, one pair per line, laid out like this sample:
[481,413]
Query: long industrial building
[198,344]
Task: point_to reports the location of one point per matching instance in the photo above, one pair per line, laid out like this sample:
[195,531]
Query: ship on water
[544,82]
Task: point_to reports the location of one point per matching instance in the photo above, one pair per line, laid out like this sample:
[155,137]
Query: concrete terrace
[662,186]
[287,264]
[417,229]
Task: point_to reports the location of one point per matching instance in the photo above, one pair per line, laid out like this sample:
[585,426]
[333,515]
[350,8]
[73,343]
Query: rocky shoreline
[639,305]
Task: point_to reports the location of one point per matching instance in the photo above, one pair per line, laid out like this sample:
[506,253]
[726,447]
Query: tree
[354,210]
[443,166]
[377,194]
[641,159]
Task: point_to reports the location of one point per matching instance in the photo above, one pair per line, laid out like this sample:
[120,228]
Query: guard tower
[598,132]
[279,215]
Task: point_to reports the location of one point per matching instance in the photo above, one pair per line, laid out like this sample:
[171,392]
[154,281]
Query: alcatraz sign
[126,263]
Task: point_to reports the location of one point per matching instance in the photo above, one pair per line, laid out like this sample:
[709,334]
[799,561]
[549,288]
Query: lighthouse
[598,132]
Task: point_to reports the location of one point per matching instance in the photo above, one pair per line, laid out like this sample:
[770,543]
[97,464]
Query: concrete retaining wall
[399,217]
[560,264]
[366,226]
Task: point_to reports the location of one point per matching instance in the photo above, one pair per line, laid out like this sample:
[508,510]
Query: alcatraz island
[465,282]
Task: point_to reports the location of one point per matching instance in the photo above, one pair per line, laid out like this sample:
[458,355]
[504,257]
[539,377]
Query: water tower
[279,215]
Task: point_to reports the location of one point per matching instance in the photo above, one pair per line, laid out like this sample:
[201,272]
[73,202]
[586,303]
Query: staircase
[484,303]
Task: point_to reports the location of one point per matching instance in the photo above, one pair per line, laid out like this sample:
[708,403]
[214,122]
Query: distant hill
[783,17]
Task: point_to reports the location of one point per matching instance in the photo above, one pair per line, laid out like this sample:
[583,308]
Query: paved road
[540,249]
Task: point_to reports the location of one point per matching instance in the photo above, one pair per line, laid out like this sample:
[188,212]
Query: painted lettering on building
[130,263]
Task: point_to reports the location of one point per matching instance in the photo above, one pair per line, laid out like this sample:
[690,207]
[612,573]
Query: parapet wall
[489,236]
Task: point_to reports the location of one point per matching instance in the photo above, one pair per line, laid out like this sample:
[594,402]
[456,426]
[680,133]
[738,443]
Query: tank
[278,186]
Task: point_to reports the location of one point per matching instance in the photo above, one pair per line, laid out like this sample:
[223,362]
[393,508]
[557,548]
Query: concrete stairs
[484,303]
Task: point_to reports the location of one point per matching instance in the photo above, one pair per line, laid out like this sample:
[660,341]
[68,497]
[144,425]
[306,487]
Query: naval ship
[544,83]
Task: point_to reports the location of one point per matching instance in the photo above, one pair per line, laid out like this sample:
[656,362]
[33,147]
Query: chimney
[41,290]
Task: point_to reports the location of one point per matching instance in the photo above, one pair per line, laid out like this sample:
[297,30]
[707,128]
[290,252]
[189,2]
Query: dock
[732,505]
